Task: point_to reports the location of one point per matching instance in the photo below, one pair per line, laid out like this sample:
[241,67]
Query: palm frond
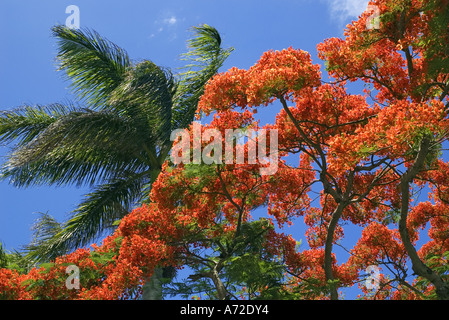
[146,96]
[84,147]
[23,124]
[205,57]
[118,143]
[44,229]
[86,169]
[3,259]
[95,65]
[14,260]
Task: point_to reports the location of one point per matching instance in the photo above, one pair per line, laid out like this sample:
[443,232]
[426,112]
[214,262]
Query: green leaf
[95,65]
[146,97]
[24,124]
[205,57]
[81,147]
[93,216]
[118,144]
[3,259]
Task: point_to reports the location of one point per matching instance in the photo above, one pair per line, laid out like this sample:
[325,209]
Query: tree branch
[418,266]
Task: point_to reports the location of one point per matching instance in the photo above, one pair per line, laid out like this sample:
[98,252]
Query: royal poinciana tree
[366,159]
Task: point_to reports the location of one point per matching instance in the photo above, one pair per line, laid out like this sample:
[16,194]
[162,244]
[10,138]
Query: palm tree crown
[116,142]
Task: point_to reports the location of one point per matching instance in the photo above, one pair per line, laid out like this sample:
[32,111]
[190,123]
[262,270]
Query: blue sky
[154,30]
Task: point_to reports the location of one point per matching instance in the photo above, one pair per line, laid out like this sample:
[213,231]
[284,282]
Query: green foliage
[256,275]
[204,174]
[3,259]
[247,269]
[14,261]
[204,58]
[44,230]
[190,287]
[250,269]
[366,150]
[436,43]
[440,265]
[392,216]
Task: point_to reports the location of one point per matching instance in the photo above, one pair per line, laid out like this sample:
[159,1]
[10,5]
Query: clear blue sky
[154,30]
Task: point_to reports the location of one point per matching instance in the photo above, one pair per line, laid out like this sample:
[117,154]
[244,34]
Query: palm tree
[114,139]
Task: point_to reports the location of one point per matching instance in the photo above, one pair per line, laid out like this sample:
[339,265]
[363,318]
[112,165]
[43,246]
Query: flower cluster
[276,73]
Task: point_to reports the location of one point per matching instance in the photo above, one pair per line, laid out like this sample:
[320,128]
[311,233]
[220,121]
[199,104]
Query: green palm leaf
[205,57]
[146,96]
[23,124]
